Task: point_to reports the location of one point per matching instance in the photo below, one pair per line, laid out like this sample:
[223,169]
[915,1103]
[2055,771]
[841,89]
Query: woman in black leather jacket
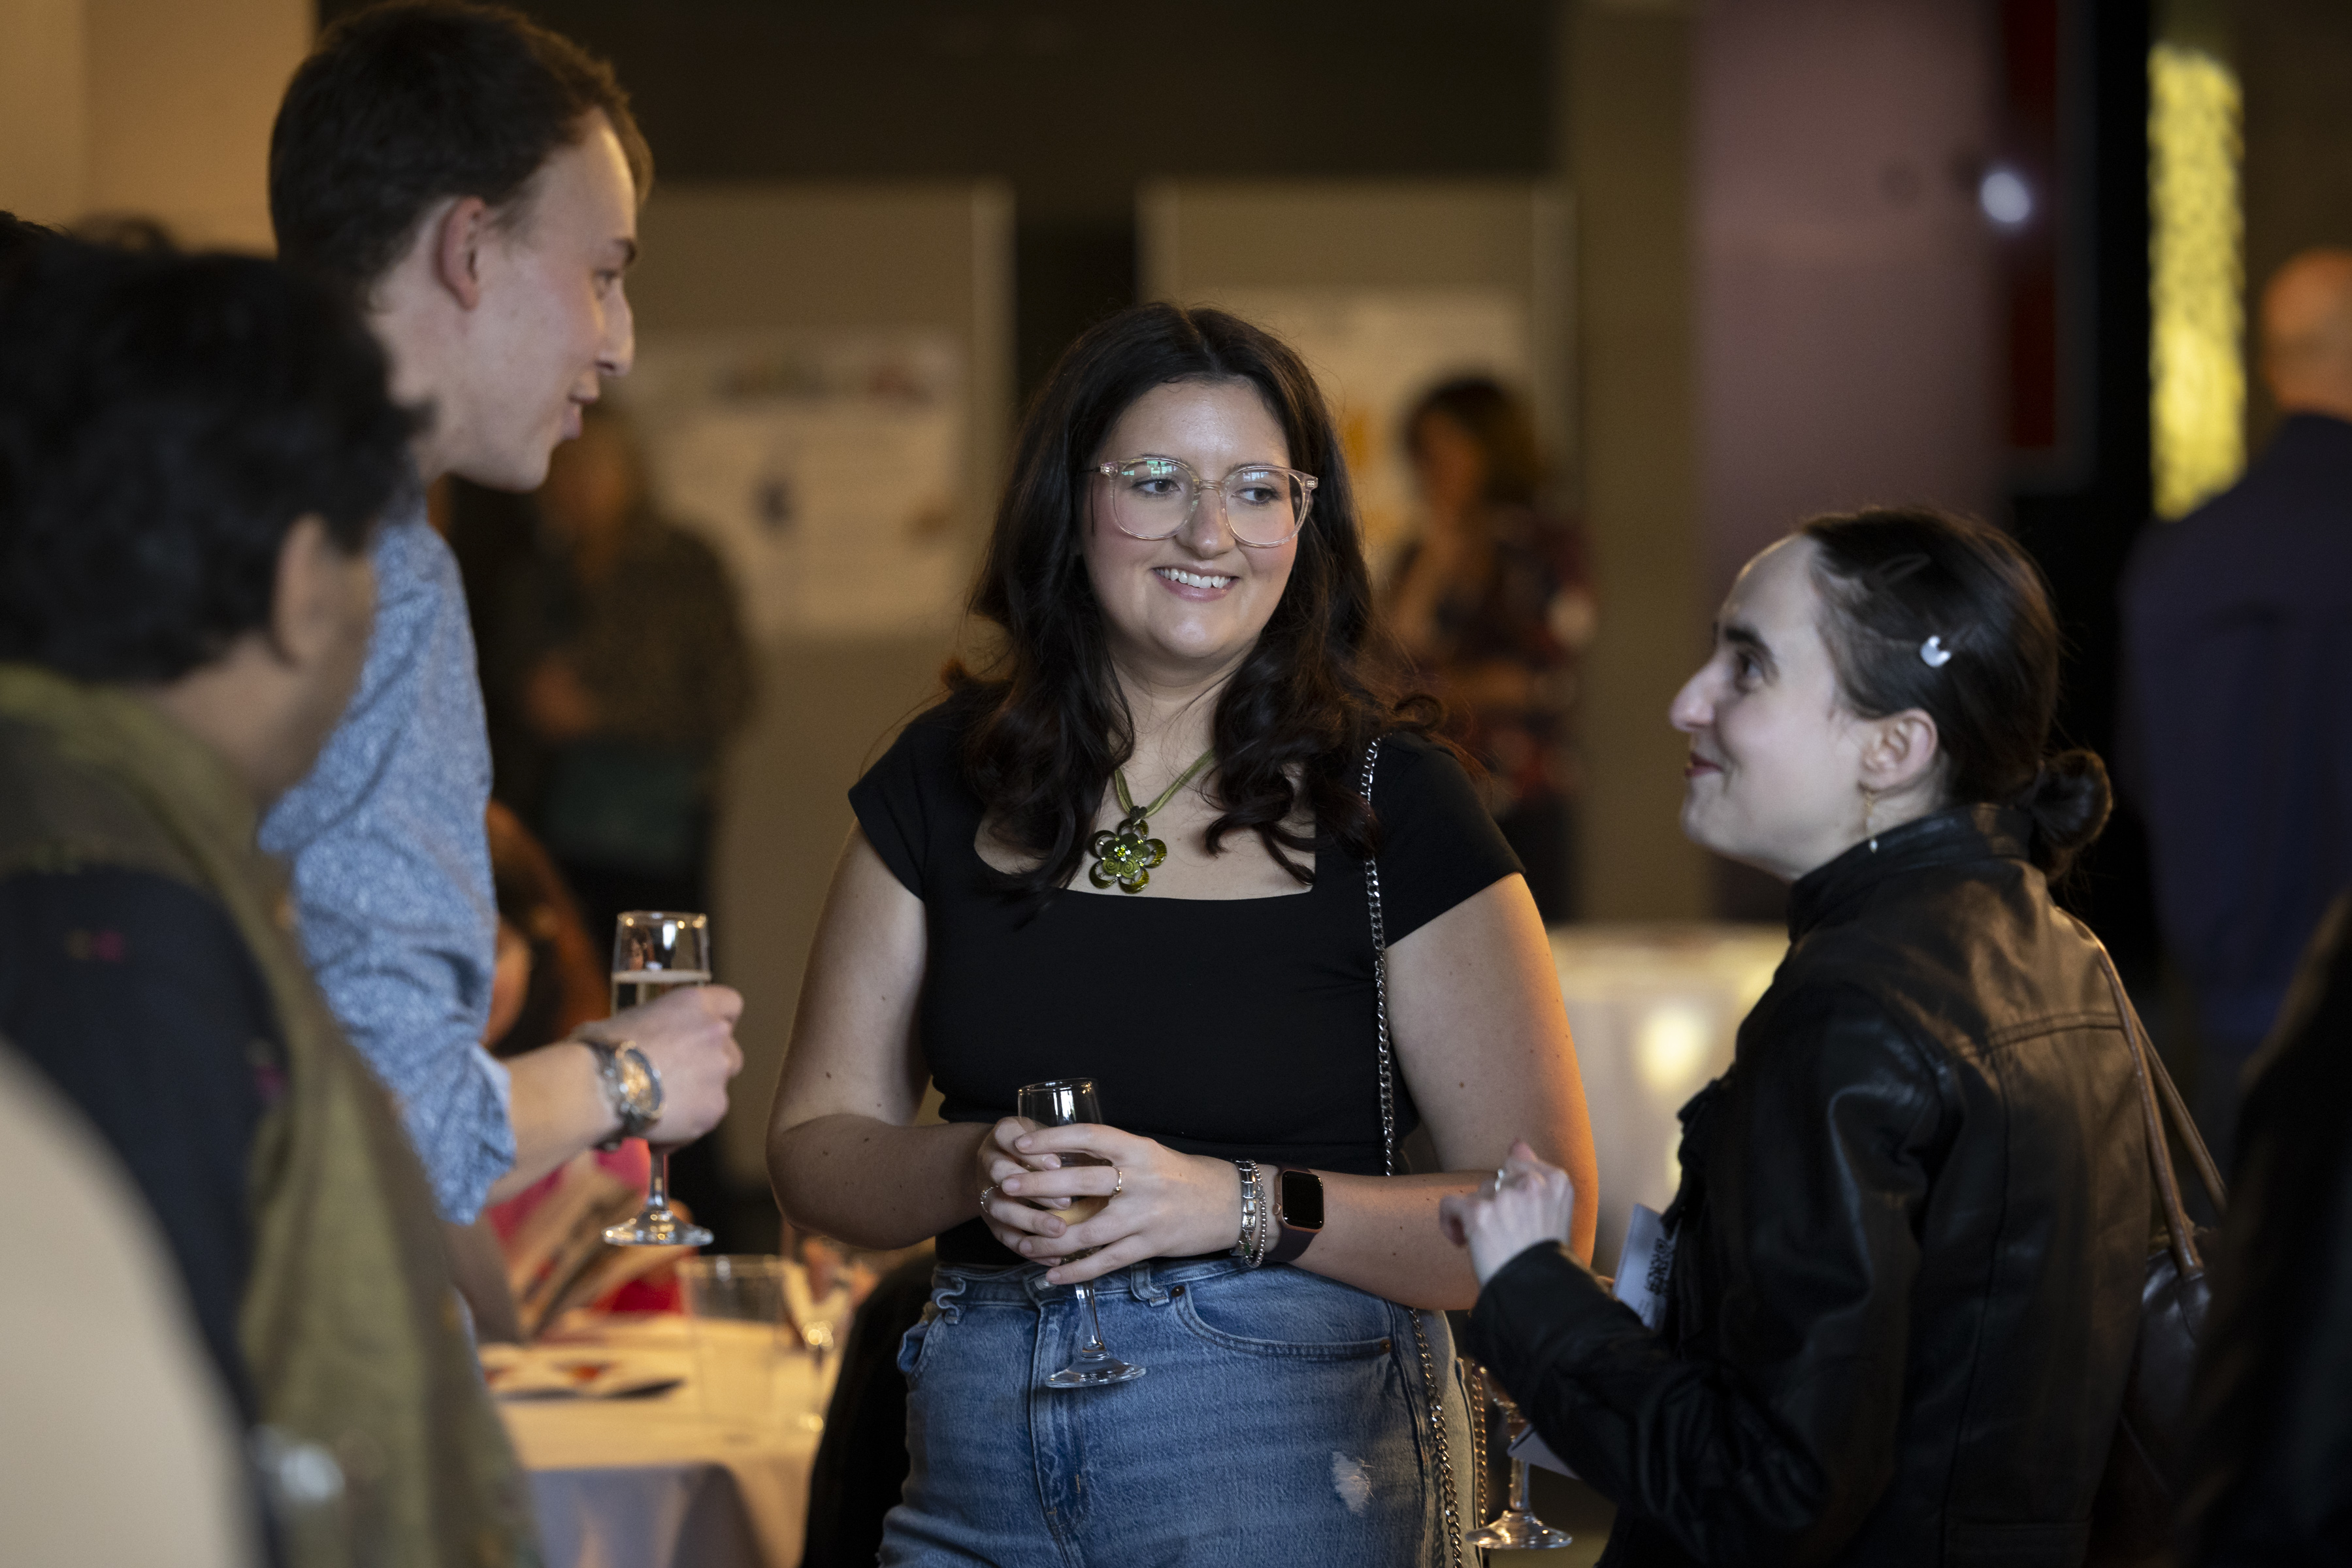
[1914,1213]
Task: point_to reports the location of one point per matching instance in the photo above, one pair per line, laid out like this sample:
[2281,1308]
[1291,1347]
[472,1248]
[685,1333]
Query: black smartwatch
[1297,1212]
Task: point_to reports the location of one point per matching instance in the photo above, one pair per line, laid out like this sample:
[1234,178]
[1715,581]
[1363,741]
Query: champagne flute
[655,952]
[1063,1103]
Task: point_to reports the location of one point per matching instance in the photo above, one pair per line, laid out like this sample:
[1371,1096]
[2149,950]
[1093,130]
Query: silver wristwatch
[631,1084]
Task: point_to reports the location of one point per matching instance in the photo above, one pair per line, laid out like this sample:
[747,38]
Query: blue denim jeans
[1282,1418]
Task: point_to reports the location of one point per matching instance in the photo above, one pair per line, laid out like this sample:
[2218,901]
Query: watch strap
[636,1120]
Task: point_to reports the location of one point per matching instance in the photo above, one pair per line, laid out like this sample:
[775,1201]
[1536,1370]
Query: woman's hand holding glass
[1168,1205]
[1528,1204]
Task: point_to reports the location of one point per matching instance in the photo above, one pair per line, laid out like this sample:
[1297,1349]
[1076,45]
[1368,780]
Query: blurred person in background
[553,977]
[1178,570]
[2238,692]
[619,652]
[195,453]
[553,974]
[1494,604]
[2270,1465]
[548,980]
[1913,1226]
[615,671]
[472,181]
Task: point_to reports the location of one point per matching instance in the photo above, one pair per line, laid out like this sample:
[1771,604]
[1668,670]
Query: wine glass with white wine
[654,952]
[1063,1103]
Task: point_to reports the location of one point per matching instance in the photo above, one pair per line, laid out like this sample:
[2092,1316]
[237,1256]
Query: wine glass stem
[1094,1346]
[657,1182]
[1519,1486]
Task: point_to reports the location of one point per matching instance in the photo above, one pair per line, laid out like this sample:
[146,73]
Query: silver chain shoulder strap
[1380,984]
[1449,1512]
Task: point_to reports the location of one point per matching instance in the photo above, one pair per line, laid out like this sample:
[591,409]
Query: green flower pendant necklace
[1127,855]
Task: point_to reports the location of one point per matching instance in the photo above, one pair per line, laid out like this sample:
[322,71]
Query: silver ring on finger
[985,1194]
[1119,1185]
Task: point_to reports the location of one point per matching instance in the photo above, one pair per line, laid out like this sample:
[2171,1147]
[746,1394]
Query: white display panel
[828,468]
[1375,352]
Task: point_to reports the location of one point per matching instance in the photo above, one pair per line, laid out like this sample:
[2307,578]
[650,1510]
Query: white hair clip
[1935,653]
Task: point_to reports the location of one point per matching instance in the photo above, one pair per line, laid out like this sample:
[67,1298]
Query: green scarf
[349,1327]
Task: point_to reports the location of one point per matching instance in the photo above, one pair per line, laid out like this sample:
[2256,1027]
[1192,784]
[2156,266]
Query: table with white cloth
[1654,1010]
[656,1480]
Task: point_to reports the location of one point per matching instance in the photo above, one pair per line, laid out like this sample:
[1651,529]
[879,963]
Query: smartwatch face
[1302,1200]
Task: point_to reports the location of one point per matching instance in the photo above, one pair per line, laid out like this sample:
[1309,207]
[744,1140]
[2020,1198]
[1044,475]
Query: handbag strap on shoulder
[1381,980]
[2155,1084]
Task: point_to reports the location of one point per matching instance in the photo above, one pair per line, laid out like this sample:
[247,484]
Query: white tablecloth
[1654,1010]
[654,1482]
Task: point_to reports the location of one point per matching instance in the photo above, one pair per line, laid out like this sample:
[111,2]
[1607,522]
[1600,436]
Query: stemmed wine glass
[1517,1526]
[653,952]
[1063,1103]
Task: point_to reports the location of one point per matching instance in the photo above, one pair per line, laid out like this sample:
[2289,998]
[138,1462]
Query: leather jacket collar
[1941,838]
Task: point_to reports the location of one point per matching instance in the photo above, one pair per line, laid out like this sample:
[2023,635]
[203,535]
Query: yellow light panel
[2196,278]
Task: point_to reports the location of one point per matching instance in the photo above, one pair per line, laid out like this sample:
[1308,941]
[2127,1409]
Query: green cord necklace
[1125,856]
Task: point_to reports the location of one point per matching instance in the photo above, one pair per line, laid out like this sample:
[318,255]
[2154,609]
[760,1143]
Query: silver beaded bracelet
[1265,1220]
[1250,1237]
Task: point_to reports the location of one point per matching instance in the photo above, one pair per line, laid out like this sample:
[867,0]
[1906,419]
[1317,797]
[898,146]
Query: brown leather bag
[2132,1516]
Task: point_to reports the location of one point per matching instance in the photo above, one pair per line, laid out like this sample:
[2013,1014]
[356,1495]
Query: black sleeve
[2272,1411]
[1777,1451]
[1438,845]
[134,995]
[899,801]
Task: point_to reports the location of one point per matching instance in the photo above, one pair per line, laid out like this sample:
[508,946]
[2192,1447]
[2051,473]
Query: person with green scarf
[195,451]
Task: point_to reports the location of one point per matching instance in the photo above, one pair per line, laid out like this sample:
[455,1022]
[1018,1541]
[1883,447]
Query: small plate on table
[515,1371]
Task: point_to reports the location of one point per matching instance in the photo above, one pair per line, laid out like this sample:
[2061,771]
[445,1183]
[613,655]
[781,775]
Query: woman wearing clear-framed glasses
[1133,848]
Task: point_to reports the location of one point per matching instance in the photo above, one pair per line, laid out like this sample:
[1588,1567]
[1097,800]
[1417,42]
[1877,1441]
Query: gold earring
[1869,807]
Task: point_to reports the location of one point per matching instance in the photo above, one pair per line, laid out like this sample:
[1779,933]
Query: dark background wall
[1076,103]
[2080,520]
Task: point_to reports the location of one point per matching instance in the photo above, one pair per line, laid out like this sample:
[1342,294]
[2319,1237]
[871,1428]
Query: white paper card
[1642,1285]
[1642,1266]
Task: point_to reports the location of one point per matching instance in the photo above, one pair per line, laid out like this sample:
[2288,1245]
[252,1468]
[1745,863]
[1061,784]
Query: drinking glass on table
[1062,1103]
[824,1285]
[655,952]
[736,1305]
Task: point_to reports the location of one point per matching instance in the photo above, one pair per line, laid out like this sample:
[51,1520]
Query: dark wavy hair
[408,102]
[1894,578]
[1045,722]
[165,421]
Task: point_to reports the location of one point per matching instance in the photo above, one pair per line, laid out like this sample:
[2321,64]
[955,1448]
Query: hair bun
[2069,801]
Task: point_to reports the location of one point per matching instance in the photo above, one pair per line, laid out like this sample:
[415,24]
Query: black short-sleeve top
[1233,1028]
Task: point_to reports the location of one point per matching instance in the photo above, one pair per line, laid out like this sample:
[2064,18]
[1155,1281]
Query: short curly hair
[165,421]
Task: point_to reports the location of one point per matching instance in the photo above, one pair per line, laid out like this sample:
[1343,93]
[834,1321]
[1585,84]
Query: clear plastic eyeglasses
[1153,498]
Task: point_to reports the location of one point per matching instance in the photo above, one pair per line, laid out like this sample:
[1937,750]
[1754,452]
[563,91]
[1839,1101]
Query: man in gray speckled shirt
[473,180]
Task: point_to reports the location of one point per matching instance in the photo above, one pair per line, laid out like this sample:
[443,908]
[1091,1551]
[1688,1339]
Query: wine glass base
[1520,1531]
[1096,1371]
[657,1228]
